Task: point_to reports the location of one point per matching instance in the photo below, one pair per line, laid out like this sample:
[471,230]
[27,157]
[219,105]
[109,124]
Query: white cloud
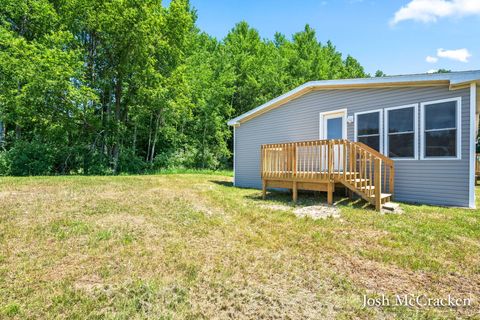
[461,55]
[431,10]
[431,59]
[432,70]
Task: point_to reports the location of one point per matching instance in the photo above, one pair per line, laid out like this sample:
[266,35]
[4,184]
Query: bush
[129,162]
[95,163]
[207,160]
[4,166]
[30,159]
[182,158]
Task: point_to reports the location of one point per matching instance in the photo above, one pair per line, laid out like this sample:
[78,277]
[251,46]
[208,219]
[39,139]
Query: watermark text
[419,301]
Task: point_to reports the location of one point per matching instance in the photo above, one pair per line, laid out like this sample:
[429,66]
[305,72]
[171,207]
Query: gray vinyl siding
[439,182]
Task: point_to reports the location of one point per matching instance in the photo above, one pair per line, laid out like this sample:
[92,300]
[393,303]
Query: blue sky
[366,29]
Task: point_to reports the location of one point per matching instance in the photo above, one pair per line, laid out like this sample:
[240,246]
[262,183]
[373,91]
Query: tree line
[112,86]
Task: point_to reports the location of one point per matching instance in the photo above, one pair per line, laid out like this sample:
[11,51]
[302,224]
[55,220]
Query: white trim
[380,126]
[415,131]
[471,176]
[234,152]
[443,129]
[330,113]
[459,129]
[453,79]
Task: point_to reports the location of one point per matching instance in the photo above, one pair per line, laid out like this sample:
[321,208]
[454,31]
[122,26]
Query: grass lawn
[189,246]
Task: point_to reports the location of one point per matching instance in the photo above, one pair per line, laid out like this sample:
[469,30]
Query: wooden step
[366,192]
[383,195]
[367,188]
[359,180]
[384,198]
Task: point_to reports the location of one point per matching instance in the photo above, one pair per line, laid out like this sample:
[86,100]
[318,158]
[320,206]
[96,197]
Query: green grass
[191,246]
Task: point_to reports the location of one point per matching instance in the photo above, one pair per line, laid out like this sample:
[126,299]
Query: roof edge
[455,80]
[282,98]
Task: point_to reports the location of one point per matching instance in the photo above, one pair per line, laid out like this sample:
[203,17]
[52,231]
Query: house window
[401,132]
[368,129]
[441,129]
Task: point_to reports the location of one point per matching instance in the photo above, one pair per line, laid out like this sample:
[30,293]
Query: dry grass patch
[189,246]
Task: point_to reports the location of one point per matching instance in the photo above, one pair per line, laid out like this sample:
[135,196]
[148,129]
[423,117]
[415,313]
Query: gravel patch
[318,212]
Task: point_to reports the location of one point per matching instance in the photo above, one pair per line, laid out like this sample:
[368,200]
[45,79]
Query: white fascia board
[455,79]
[236,121]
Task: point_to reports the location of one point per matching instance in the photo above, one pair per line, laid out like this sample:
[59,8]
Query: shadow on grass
[223,183]
[310,198]
[305,198]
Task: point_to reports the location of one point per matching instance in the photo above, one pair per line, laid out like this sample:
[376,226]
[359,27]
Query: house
[407,137]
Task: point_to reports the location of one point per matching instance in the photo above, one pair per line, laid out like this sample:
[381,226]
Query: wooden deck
[319,165]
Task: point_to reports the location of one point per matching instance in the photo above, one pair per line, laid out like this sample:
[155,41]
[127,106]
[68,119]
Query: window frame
[415,131]
[380,126]
[458,114]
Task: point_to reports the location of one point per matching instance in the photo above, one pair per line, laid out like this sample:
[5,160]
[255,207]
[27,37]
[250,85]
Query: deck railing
[356,165]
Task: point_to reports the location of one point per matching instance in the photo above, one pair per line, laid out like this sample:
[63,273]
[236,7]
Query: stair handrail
[384,158]
[388,162]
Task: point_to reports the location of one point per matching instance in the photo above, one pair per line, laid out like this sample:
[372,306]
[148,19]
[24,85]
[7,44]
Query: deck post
[262,156]
[391,182]
[330,193]
[264,189]
[378,184]
[294,160]
[350,158]
[344,154]
[330,160]
[294,191]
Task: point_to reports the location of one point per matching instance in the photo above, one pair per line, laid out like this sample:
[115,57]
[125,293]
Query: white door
[333,126]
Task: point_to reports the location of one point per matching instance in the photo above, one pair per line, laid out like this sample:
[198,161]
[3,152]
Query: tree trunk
[134,143]
[155,137]
[204,138]
[118,117]
[105,122]
[3,129]
[149,138]
[18,132]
